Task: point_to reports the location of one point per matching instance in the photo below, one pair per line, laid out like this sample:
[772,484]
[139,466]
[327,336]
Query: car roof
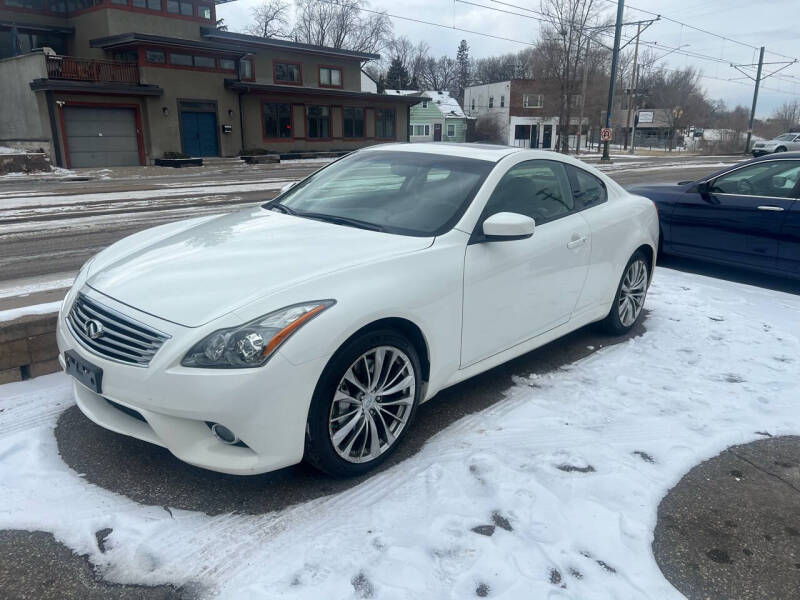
[488,152]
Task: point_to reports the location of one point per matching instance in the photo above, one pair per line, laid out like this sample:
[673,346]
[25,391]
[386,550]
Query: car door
[738,217]
[517,289]
[789,239]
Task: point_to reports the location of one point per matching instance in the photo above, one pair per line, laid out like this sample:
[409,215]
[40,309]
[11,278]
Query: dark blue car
[746,215]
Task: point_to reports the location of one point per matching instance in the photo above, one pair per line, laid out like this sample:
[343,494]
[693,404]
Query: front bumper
[266,407]
[762,151]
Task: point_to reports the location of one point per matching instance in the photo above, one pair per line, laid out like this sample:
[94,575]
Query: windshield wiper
[281,207]
[339,220]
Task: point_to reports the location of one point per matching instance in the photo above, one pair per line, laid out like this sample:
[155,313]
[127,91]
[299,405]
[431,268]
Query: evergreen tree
[462,69]
[397,77]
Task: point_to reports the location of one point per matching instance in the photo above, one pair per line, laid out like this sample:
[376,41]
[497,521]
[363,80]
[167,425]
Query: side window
[587,190]
[535,188]
[776,179]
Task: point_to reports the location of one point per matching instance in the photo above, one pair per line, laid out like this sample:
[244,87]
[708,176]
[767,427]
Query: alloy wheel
[632,293]
[372,404]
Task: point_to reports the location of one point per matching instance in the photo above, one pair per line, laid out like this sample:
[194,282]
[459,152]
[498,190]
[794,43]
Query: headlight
[252,344]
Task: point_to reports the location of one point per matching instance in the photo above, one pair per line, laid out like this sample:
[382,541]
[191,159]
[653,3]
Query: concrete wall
[24,122]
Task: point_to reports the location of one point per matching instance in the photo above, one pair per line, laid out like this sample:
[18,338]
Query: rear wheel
[631,293]
[780,149]
[363,404]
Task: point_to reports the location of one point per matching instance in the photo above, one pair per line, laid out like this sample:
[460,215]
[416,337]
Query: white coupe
[312,326]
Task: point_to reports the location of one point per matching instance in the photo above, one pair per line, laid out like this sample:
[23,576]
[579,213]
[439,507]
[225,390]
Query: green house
[439,119]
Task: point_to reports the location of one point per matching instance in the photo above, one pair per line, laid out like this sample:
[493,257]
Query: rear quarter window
[587,190]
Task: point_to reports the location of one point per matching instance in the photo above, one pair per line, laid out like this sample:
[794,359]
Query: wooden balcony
[89,69]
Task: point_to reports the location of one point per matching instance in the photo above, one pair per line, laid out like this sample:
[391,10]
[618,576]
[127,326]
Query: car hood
[194,272]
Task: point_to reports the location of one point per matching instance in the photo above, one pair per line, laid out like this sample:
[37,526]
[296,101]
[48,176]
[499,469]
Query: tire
[780,149]
[619,321]
[347,446]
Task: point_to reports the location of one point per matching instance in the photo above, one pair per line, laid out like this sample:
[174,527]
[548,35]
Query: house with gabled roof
[437,118]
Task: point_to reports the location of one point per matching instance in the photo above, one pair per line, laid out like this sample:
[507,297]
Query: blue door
[199,133]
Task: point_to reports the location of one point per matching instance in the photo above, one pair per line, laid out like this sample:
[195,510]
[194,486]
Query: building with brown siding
[119,82]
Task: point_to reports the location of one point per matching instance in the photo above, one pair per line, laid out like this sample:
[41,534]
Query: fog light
[223,434]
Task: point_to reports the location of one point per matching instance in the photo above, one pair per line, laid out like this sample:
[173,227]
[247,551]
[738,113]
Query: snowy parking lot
[550,492]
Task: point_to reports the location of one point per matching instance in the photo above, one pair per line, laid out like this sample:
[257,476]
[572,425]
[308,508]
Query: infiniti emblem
[92,328]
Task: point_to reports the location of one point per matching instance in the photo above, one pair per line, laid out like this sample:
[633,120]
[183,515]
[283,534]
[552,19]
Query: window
[536,188]
[532,101]
[277,120]
[420,129]
[140,3]
[182,60]
[246,71]
[204,12]
[155,56]
[451,130]
[473,104]
[330,77]
[491,101]
[318,122]
[502,101]
[120,2]
[576,100]
[30,41]
[424,104]
[407,193]
[522,132]
[228,64]
[154,5]
[353,122]
[587,190]
[384,123]
[288,73]
[205,62]
[180,7]
[775,179]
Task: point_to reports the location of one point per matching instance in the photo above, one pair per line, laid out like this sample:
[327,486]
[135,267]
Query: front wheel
[630,296]
[363,404]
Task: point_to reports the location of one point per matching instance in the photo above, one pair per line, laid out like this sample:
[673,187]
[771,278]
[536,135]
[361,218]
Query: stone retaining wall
[23,163]
[28,347]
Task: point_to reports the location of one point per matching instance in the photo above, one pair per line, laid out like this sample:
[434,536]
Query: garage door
[101,137]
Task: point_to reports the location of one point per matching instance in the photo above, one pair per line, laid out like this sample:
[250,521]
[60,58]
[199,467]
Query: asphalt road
[53,226]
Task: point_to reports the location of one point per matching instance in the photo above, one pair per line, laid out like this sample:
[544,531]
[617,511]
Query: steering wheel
[743,186]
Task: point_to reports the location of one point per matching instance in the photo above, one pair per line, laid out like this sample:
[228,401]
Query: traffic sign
[605,134]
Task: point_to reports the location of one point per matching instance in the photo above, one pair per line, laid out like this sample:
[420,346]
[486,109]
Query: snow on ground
[32,285]
[7,150]
[34,309]
[576,461]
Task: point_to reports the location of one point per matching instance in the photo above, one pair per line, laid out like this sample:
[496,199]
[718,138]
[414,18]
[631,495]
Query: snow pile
[550,493]
[34,309]
[7,150]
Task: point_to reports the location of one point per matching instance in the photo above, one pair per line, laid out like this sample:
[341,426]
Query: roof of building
[254,40]
[250,86]
[447,104]
[226,40]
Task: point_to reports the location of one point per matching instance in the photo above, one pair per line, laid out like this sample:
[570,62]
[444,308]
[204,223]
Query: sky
[771,23]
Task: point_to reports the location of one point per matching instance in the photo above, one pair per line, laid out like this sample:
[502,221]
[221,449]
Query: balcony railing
[88,69]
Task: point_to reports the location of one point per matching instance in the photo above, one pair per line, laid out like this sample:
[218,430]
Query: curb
[28,347]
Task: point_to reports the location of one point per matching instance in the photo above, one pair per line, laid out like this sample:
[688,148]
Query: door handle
[772,208]
[576,243]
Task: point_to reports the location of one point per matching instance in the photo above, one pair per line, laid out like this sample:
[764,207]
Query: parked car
[315,324]
[783,143]
[746,215]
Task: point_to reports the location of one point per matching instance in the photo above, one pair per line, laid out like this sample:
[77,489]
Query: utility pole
[755,100]
[583,96]
[633,127]
[758,79]
[614,60]
[632,94]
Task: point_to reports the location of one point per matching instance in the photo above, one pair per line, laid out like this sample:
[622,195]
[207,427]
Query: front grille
[115,336]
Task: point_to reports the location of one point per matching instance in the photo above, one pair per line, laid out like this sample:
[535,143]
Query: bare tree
[564,39]
[440,74]
[341,24]
[269,19]
[488,129]
[678,92]
[787,116]
[411,56]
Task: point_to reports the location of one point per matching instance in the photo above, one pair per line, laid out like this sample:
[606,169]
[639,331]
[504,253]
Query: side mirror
[704,188]
[506,226]
[288,186]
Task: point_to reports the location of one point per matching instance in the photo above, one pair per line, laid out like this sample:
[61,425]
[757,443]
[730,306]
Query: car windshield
[786,137]
[409,193]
